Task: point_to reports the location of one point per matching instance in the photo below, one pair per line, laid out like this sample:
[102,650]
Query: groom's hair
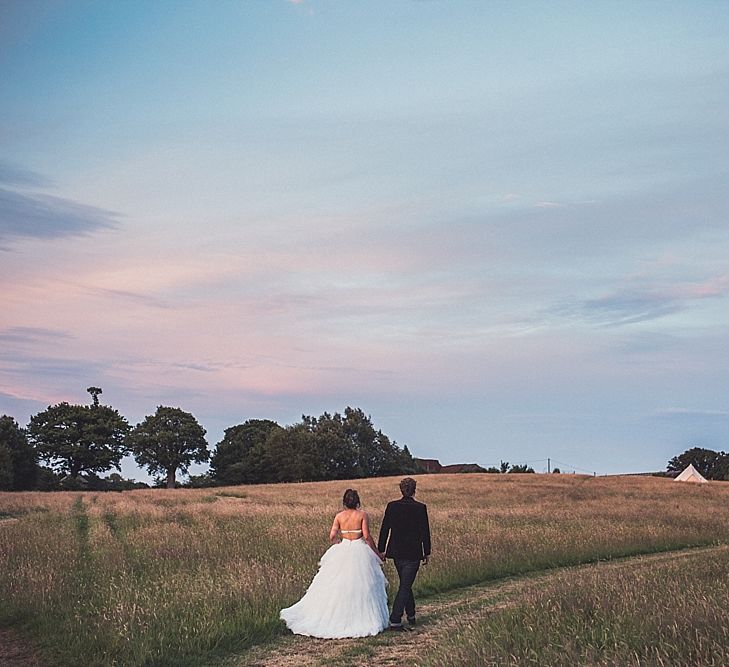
[351,499]
[407,487]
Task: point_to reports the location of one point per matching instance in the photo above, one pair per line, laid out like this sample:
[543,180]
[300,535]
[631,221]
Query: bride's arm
[367,536]
[334,532]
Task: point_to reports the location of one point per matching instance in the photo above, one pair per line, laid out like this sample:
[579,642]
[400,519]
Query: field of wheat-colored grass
[181,576]
[666,613]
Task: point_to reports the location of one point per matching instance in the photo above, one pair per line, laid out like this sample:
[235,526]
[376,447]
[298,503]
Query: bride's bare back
[352,524]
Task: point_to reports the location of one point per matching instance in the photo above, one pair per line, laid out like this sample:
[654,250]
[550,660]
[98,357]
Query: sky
[499,228]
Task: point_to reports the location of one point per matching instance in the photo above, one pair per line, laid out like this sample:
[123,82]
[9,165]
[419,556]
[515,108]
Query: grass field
[183,577]
[669,613]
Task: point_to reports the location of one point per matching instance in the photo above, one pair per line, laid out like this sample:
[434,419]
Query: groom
[406,524]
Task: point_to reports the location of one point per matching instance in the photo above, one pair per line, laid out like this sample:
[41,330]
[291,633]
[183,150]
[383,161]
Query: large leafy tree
[167,441]
[240,457]
[335,450]
[711,464]
[376,454]
[332,446]
[79,438]
[291,456]
[18,464]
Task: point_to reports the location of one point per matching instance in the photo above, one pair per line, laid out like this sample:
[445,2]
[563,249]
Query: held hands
[425,560]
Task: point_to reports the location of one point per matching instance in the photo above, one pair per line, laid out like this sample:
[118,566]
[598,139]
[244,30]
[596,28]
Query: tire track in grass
[82,525]
[16,651]
[439,616]
[118,531]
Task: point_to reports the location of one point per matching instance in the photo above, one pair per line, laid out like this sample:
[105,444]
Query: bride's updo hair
[351,499]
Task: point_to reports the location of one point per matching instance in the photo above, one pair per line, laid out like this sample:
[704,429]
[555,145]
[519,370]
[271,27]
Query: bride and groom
[347,597]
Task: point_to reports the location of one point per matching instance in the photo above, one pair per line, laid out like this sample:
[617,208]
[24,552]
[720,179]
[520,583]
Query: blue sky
[499,228]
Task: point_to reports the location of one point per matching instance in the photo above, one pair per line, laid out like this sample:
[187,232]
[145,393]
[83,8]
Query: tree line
[711,464]
[79,442]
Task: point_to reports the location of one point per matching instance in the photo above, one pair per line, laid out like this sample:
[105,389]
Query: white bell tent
[691,475]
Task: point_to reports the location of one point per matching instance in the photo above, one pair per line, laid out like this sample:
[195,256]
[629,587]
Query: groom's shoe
[400,627]
[412,622]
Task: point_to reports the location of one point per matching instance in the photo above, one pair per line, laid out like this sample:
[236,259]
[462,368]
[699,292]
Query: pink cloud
[717,286]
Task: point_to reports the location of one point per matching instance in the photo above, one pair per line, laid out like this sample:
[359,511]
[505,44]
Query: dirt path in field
[437,617]
[15,651]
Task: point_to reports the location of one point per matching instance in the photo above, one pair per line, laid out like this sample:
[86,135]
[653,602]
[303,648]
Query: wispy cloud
[31,214]
[690,413]
[11,174]
[633,304]
[629,307]
[126,295]
[31,335]
[38,375]
[46,216]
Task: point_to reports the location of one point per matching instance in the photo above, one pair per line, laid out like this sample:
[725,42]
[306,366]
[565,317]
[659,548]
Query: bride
[347,597]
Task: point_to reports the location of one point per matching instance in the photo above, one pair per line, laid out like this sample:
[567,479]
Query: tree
[711,464]
[6,469]
[79,438]
[240,457]
[359,430]
[291,455]
[168,441]
[408,465]
[95,391]
[47,480]
[332,446]
[376,454]
[203,481]
[521,467]
[17,458]
[114,482]
[335,450]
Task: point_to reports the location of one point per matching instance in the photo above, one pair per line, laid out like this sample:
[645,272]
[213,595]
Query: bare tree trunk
[171,478]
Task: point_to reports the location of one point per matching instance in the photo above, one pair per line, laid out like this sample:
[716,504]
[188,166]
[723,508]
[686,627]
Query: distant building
[429,465]
[463,467]
[434,466]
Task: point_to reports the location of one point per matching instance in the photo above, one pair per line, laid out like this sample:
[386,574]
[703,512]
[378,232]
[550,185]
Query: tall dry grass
[177,576]
[667,613]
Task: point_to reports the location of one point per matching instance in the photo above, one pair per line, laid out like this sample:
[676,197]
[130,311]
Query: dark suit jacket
[406,524]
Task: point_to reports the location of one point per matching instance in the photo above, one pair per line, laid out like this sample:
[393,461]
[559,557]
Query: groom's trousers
[404,600]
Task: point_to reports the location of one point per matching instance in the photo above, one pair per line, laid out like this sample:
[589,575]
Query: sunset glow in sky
[500,228]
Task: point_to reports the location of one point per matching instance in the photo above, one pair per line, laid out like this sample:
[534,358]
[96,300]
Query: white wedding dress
[347,597]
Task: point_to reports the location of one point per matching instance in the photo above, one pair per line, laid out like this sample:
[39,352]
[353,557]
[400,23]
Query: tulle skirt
[346,598]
